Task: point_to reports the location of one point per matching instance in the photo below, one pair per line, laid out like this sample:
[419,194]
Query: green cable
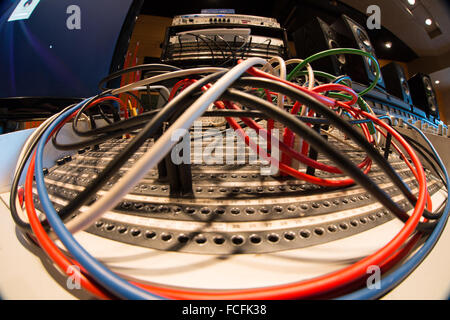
[361,103]
[331,52]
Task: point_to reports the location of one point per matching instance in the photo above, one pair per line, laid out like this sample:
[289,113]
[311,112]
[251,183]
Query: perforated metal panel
[233,208]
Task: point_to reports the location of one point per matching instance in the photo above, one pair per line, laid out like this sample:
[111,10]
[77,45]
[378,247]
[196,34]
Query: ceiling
[172,8]
[411,29]
[433,52]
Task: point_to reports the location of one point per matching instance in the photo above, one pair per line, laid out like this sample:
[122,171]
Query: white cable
[165,76]
[160,148]
[31,138]
[283,74]
[311,79]
[270,69]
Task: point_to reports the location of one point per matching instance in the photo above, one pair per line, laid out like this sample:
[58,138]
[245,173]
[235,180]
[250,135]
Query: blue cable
[97,270]
[392,280]
[103,275]
[126,290]
[338,80]
[326,121]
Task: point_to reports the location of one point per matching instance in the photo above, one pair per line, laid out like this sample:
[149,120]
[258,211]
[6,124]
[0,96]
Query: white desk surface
[23,274]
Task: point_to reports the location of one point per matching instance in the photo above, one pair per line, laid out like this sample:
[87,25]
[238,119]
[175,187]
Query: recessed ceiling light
[428,22]
[437,82]
[412,2]
[388,44]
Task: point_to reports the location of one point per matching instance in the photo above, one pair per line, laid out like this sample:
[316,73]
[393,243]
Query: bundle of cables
[243,92]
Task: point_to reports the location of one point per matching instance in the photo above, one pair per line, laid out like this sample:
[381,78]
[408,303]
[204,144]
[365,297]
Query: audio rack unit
[193,19]
[221,43]
[396,81]
[423,94]
[232,209]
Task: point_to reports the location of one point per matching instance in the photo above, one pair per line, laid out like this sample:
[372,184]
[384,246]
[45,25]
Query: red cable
[314,92]
[390,130]
[402,155]
[270,122]
[283,167]
[183,84]
[288,150]
[323,283]
[302,157]
[49,247]
[335,279]
[97,101]
[326,282]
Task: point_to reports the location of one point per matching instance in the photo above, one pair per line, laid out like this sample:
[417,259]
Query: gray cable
[161,147]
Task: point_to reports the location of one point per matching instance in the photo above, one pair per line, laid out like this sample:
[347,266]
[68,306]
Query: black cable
[103,114]
[77,118]
[92,141]
[134,122]
[232,53]
[114,112]
[201,37]
[417,146]
[234,58]
[150,129]
[15,183]
[82,110]
[316,140]
[121,124]
[91,119]
[422,150]
[107,132]
[358,175]
[143,67]
[427,214]
[122,127]
[86,133]
[217,45]
[338,122]
[131,94]
[20,168]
